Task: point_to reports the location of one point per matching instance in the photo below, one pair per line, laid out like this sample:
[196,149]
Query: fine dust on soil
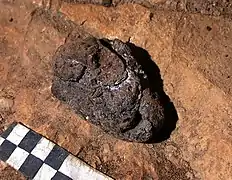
[209,7]
[8,173]
[193,52]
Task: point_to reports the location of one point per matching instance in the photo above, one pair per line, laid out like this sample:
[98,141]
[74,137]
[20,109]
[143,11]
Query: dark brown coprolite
[101,80]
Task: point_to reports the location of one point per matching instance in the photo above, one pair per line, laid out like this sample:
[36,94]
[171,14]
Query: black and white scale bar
[40,159]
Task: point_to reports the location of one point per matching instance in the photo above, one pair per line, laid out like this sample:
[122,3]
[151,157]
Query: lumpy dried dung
[102,81]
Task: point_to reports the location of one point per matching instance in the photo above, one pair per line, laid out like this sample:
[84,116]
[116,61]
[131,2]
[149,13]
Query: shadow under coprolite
[156,85]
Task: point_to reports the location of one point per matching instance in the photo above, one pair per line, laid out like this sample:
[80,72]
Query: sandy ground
[193,52]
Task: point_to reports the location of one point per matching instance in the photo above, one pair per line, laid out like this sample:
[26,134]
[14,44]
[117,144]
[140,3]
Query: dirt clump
[101,80]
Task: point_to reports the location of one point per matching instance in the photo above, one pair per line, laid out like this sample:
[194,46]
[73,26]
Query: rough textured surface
[207,7]
[194,63]
[8,173]
[101,80]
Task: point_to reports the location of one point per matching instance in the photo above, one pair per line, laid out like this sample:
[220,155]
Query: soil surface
[192,47]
